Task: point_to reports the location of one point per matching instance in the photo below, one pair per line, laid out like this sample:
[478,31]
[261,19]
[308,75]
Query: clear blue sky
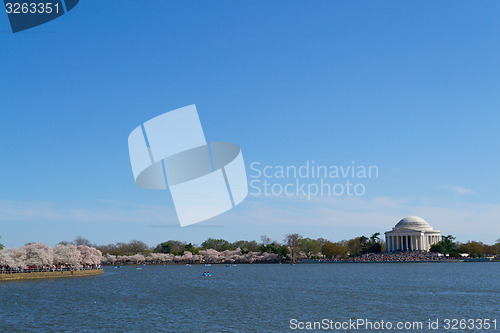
[411,87]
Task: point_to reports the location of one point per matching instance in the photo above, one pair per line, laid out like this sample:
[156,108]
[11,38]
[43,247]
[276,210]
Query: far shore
[316,261]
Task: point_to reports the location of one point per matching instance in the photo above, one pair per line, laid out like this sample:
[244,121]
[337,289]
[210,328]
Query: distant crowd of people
[396,257]
[47,268]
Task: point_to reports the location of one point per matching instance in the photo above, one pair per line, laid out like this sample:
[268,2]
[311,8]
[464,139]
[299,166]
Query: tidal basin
[252,297]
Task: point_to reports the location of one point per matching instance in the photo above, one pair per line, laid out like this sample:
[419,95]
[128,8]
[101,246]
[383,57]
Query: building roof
[413,223]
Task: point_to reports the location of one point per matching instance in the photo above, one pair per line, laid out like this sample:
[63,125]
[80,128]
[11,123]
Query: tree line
[293,247]
[39,255]
[474,249]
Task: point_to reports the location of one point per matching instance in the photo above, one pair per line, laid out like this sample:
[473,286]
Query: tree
[89,255]
[328,250]
[191,248]
[241,244]
[322,241]
[293,242]
[265,240]
[1,245]
[13,258]
[216,244]
[137,258]
[437,248]
[363,240]
[269,248]
[284,252]
[81,241]
[445,246]
[375,237]
[66,254]
[374,247]
[474,249]
[331,250]
[136,246]
[171,246]
[355,246]
[37,254]
[211,255]
[309,246]
[252,246]
[130,248]
[246,246]
[448,243]
[489,249]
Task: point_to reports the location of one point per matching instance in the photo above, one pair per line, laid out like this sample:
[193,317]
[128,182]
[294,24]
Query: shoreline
[49,275]
[296,263]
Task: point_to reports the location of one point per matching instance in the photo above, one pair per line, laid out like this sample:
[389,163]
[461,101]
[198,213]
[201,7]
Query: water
[251,298]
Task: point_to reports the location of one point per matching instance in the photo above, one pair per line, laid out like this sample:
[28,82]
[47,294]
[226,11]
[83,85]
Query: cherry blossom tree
[137,258]
[109,258]
[13,258]
[160,257]
[251,257]
[268,257]
[37,254]
[186,257]
[66,254]
[89,255]
[211,255]
[197,258]
[232,256]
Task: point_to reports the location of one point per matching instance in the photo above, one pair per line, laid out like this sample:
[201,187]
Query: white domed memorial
[411,234]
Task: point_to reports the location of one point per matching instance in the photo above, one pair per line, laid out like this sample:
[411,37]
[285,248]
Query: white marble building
[411,234]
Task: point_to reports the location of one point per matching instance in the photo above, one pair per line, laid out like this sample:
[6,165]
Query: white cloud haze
[321,215]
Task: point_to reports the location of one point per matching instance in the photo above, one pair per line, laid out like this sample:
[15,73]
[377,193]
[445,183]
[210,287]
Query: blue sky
[411,87]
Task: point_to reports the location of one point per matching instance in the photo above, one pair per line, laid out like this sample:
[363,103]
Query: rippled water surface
[251,298]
